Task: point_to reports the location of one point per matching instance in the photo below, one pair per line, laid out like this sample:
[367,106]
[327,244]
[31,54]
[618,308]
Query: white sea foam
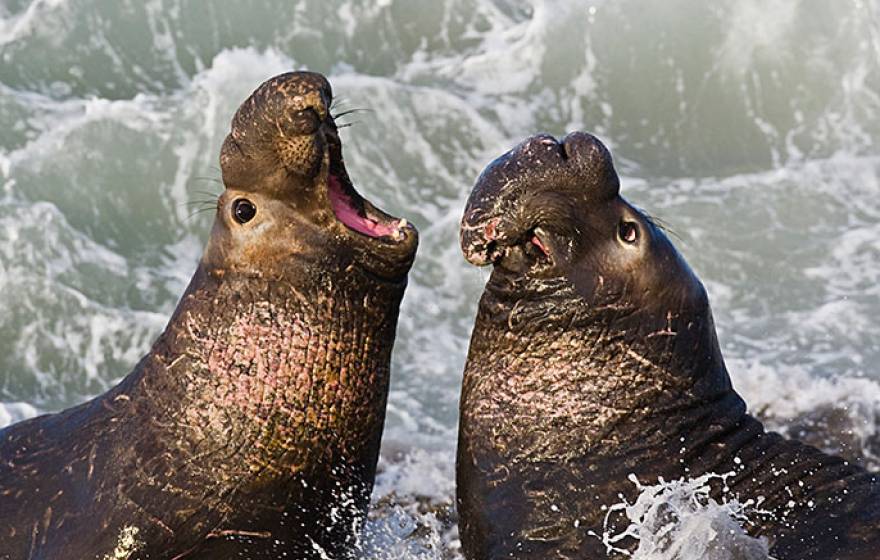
[394,533]
[421,473]
[785,394]
[12,412]
[756,29]
[17,26]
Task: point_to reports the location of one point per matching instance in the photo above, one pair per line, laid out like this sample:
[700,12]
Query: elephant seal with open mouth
[594,357]
[252,428]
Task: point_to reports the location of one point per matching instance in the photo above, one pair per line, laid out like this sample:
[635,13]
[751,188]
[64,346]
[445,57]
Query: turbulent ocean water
[751,128]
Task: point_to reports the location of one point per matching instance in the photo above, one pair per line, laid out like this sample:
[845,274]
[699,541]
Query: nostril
[564,152]
[306,121]
[585,146]
[492,252]
[480,253]
[490,230]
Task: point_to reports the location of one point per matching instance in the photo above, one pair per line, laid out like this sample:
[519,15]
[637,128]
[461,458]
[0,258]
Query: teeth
[397,235]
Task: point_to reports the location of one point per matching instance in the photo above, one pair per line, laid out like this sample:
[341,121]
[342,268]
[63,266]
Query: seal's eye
[628,232]
[243,210]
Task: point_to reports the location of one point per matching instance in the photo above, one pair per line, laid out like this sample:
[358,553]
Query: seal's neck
[589,373]
[284,375]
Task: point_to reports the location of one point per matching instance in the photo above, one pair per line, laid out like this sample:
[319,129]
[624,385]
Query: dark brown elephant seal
[252,428]
[594,356]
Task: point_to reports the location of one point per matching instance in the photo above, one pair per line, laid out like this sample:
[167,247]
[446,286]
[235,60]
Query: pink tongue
[344,211]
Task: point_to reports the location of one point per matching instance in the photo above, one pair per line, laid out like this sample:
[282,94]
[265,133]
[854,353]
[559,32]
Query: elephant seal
[594,357]
[252,428]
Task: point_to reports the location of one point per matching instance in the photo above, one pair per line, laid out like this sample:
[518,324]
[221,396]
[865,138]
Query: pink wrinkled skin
[346,213]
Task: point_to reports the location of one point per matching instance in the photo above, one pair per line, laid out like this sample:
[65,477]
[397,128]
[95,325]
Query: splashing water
[678,520]
[752,128]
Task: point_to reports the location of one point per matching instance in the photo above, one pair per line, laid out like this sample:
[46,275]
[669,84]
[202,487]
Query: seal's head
[549,216]
[288,196]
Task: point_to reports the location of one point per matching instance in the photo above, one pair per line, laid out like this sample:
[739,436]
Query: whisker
[197,211]
[206,193]
[212,179]
[663,225]
[201,202]
[355,110]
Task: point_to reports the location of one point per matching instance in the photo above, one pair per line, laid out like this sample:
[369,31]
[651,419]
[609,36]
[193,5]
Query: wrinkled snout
[513,193]
[280,129]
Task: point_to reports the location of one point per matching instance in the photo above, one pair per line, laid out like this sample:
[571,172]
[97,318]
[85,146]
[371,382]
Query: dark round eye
[243,210]
[628,232]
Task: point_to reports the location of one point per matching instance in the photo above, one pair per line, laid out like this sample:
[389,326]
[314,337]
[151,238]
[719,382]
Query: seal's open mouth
[355,213]
[350,208]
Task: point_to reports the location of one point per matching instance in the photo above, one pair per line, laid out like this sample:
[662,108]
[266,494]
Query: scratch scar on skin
[641,359]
